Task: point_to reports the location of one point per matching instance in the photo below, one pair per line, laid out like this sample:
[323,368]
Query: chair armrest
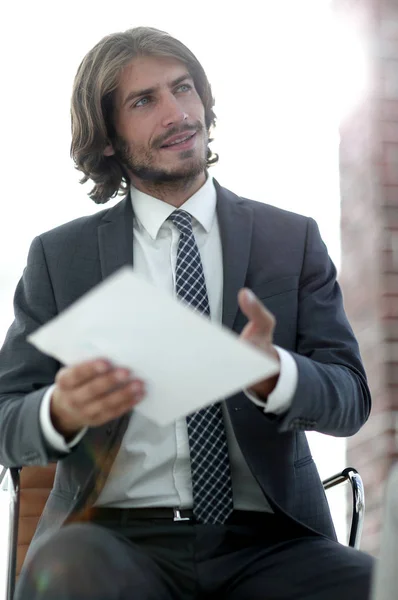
[3,474]
[358,501]
[9,480]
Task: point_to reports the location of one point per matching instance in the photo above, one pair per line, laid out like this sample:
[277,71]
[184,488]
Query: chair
[30,487]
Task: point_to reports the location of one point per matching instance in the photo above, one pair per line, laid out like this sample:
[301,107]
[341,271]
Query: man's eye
[185,87]
[143,102]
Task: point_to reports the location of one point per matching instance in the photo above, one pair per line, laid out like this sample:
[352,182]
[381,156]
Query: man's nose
[173,112]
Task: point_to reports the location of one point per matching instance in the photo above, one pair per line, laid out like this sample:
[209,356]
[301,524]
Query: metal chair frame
[10,481]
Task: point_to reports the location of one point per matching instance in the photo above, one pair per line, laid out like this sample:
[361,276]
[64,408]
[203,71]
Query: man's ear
[108,150]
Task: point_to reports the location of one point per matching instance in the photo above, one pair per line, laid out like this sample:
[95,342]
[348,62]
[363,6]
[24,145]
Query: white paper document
[186,361]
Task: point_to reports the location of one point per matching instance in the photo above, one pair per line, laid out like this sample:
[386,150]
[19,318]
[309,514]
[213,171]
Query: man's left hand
[259,331]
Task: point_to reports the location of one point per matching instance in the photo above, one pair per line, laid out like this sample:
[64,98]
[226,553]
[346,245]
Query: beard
[141,162]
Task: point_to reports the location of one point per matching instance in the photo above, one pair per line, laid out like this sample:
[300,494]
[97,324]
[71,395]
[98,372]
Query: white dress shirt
[152,467]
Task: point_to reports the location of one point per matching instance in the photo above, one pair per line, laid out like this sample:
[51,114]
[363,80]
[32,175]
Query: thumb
[260,318]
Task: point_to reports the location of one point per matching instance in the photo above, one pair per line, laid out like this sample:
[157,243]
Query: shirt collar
[152,212]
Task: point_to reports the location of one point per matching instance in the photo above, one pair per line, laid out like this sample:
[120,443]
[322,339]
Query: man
[228,502]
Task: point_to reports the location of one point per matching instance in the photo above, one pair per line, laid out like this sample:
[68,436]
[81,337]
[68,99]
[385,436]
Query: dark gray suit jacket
[281,257]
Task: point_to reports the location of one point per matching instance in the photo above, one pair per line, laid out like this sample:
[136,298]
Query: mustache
[198,127]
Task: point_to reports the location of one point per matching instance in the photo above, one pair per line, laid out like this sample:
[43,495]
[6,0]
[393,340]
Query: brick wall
[369,228]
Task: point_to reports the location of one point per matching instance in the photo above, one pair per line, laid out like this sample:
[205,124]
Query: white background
[282,77]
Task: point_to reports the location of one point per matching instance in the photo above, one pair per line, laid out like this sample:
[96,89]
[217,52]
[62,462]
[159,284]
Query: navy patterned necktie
[210,470]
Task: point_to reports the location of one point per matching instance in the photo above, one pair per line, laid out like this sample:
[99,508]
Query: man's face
[159,121]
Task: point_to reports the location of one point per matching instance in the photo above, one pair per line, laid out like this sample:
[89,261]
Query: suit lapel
[236,223]
[115,243]
[115,238]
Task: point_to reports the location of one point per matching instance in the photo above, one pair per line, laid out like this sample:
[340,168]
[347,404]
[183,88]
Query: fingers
[104,386]
[111,405]
[97,386]
[75,376]
[93,393]
[260,318]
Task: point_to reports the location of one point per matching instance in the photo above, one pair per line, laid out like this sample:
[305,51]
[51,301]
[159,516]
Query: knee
[70,544]
[74,553]
[358,575]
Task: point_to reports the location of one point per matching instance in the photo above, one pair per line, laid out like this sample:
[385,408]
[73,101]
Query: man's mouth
[177,140]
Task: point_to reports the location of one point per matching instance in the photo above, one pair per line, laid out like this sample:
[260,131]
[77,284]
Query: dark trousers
[265,558]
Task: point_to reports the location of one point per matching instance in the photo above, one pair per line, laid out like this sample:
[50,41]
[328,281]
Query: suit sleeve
[25,373]
[332,395]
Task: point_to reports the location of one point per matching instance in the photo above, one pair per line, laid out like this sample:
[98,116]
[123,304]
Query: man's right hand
[90,394]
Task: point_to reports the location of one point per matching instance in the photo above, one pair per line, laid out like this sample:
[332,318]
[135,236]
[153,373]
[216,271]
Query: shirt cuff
[51,435]
[280,399]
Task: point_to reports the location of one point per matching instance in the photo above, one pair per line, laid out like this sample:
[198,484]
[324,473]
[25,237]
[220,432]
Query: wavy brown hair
[92,103]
